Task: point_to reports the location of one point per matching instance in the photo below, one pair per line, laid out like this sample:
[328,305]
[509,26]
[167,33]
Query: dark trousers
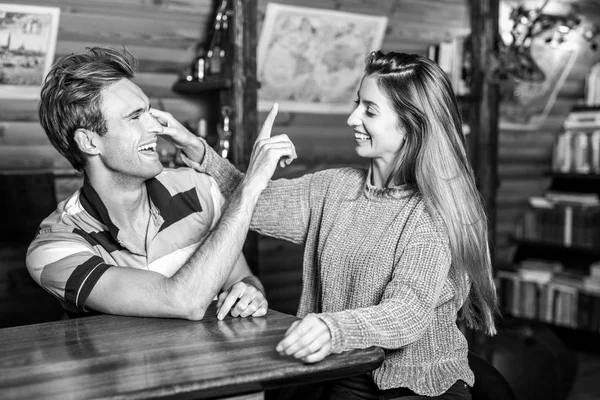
[362,388]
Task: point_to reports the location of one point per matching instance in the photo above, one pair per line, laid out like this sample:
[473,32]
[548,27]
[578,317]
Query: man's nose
[152,124]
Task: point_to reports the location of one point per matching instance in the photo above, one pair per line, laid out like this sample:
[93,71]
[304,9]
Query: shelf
[556,246]
[573,175]
[194,87]
[569,256]
[468,98]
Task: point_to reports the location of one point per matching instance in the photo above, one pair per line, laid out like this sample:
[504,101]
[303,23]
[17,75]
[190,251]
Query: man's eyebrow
[134,112]
[137,111]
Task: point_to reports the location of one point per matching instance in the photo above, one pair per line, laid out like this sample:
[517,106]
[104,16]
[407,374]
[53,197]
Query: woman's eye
[356,101]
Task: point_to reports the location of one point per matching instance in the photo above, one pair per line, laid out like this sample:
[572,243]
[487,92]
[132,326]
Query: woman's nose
[353,119]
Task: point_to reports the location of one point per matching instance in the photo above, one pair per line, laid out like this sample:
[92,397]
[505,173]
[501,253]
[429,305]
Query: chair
[490,384]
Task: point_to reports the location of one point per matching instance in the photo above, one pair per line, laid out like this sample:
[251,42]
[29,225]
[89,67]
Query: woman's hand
[177,134]
[308,340]
[268,151]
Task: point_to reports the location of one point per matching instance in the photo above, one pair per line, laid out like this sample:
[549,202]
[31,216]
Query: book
[508,285]
[538,271]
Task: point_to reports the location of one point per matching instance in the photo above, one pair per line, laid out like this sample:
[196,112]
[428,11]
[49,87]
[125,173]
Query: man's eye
[356,101]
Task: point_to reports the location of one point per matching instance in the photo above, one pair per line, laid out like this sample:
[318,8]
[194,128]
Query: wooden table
[108,356]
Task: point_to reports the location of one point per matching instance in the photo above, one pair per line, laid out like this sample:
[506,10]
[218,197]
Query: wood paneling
[325,140]
[162,34]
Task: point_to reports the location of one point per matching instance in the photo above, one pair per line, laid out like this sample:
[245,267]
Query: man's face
[128,150]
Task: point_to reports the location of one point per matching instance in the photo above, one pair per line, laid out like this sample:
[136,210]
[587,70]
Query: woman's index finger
[265,132]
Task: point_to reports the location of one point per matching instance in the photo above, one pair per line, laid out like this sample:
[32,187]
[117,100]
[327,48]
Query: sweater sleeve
[224,173]
[282,210]
[407,306]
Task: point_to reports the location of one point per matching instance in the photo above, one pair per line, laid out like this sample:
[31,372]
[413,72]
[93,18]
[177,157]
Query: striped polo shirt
[77,243]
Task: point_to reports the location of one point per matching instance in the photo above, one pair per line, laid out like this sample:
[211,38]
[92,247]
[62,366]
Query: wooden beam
[484,119]
[244,100]
[244,80]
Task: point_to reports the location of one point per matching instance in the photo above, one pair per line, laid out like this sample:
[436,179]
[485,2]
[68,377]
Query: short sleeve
[64,264]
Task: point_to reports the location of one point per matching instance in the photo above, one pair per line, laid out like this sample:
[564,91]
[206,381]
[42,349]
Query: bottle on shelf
[199,65]
[224,132]
[215,56]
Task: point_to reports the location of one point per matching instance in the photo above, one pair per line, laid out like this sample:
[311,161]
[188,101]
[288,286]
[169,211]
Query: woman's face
[375,123]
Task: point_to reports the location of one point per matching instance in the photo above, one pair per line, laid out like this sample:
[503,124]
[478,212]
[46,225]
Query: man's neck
[126,200]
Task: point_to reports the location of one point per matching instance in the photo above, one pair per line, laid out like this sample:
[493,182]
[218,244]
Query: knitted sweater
[377,270]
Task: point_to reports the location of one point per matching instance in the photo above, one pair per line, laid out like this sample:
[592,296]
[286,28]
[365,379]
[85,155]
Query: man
[137,239]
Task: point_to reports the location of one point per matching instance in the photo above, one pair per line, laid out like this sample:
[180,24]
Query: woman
[395,254]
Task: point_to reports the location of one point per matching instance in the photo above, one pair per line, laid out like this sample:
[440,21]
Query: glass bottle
[216,49]
[199,64]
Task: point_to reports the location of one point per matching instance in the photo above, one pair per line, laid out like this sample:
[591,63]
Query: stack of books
[562,218]
[546,292]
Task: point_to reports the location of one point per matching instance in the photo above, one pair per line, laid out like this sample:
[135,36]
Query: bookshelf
[555,273]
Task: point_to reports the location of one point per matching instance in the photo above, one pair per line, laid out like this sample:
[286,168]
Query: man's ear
[86,141]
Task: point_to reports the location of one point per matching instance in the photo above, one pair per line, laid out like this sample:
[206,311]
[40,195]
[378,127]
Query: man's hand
[267,152]
[308,340]
[248,301]
[177,134]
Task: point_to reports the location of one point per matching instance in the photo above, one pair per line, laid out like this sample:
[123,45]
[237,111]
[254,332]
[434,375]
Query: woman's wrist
[195,150]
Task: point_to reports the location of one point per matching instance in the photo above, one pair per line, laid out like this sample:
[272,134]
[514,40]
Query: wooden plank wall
[325,140]
[163,33]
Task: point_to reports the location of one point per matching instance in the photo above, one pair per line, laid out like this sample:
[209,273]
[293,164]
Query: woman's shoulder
[428,220]
[341,175]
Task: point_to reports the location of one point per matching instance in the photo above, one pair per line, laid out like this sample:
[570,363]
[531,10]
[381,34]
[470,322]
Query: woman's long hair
[434,161]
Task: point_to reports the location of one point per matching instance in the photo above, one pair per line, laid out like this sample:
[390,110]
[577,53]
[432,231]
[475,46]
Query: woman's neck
[380,172]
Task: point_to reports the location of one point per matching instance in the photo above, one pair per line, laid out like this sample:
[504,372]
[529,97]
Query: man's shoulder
[68,215]
[183,178]
[184,187]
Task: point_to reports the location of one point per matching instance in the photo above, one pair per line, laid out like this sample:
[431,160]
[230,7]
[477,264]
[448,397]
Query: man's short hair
[71,96]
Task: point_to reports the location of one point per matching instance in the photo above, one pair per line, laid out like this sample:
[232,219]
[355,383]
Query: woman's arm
[403,315]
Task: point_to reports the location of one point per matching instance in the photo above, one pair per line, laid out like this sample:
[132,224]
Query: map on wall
[311,60]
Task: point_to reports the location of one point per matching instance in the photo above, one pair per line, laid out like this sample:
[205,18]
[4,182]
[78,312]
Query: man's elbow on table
[125,291]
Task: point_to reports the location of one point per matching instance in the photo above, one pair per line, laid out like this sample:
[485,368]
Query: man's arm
[191,289]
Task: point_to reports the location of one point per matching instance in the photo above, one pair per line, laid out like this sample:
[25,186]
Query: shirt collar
[392,191]
[93,204]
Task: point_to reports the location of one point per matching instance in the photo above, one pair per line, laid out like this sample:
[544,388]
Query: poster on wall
[27,44]
[525,105]
[311,60]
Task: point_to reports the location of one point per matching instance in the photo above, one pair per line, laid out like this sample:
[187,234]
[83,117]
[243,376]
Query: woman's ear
[85,140]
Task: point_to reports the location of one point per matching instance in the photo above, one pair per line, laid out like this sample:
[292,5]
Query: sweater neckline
[395,191]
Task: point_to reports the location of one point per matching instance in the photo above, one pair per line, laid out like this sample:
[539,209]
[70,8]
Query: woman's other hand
[308,340]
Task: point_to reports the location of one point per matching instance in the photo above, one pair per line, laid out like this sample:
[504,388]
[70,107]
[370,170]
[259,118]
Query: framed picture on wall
[311,59]
[27,44]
